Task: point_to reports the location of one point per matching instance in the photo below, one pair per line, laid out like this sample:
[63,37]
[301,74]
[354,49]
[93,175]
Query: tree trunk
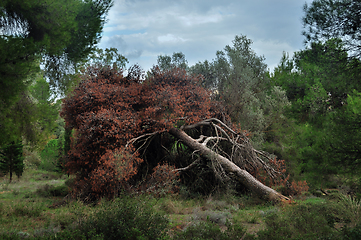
[241,175]
[11,176]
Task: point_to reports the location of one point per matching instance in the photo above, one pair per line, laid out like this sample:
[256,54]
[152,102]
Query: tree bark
[241,175]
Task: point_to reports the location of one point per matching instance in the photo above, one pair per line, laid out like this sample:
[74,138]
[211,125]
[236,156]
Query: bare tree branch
[240,157]
[190,166]
[148,136]
[227,166]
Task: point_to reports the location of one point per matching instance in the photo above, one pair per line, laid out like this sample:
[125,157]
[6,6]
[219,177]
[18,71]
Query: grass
[31,181]
[34,206]
[26,206]
[23,204]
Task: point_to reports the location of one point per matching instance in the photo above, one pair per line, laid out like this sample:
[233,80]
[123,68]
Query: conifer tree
[122,127]
[11,159]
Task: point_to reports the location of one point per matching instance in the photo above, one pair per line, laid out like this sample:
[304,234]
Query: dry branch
[229,167]
[242,158]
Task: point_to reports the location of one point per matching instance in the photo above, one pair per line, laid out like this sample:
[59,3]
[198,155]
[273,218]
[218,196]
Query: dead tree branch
[237,161]
[229,167]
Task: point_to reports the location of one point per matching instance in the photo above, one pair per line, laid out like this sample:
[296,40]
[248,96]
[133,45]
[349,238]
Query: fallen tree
[228,166]
[233,166]
[115,119]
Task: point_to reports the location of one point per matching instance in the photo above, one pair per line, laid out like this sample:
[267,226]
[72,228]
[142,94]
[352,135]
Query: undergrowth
[124,218]
[42,212]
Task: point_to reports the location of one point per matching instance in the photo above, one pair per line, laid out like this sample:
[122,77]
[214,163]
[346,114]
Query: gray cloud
[144,29]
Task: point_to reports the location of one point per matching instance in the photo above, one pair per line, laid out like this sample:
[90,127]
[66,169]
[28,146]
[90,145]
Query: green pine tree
[11,159]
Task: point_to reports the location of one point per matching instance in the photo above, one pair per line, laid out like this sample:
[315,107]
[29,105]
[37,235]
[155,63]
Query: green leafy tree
[19,120]
[11,159]
[208,70]
[319,82]
[17,67]
[333,149]
[61,33]
[327,19]
[108,57]
[177,60]
[47,107]
[318,79]
[343,146]
[57,34]
[32,117]
[239,78]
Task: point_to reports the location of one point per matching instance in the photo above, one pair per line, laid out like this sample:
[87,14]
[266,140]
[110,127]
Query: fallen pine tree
[115,118]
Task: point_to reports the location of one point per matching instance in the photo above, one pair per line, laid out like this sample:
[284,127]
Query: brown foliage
[109,112]
[108,109]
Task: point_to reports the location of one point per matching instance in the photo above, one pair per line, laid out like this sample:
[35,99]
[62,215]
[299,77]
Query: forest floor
[36,204]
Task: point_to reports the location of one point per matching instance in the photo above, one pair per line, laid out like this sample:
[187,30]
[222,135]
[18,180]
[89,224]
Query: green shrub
[125,218]
[303,221]
[352,233]
[12,236]
[350,208]
[25,209]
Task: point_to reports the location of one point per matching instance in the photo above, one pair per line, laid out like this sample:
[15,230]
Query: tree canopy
[327,19]
[239,79]
[32,117]
[318,78]
[59,33]
[177,60]
[322,82]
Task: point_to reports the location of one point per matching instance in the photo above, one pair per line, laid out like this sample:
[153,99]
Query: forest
[92,148]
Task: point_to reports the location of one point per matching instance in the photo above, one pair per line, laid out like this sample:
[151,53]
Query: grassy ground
[31,205]
[26,204]
[183,213]
[35,206]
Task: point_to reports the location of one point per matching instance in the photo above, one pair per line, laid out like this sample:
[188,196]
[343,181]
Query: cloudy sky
[141,30]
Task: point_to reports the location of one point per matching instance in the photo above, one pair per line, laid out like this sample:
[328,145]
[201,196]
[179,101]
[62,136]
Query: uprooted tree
[122,123]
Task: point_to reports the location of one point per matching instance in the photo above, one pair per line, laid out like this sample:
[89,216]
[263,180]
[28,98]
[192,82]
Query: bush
[303,221]
[12,236]
[352,233]
[124,219]
[22,209]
